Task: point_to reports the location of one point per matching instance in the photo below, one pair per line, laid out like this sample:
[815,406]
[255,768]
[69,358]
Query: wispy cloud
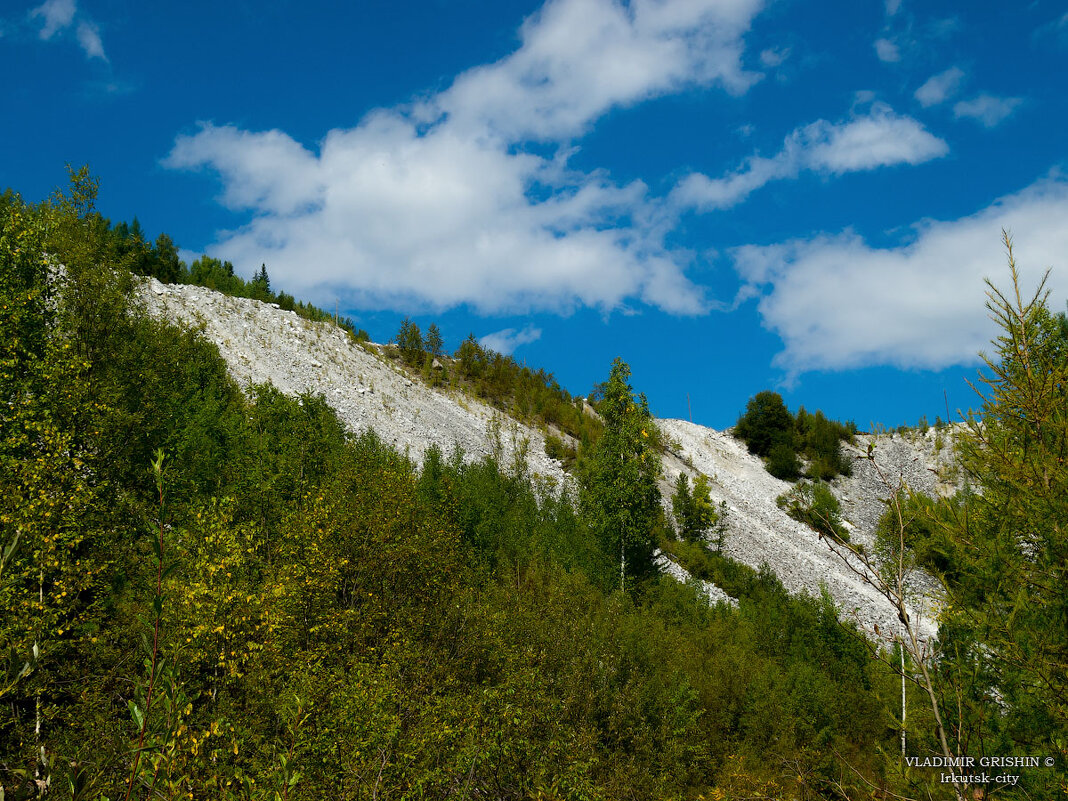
[89,39]
[55,15]
[878,138]
[987,110]
[839,303]
[773,57]
[887,50]
[444,202]
[59,16]
[506,341]
[939,88]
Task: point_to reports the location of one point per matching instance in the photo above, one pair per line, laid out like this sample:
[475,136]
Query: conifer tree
[1015,542]
[433,342]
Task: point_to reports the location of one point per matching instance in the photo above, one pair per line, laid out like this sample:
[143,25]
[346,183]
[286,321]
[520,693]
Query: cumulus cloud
[987,110]
[443,203]
[388,215]
[887,51]
[938,88]
[506,341]
[579,58]
[839,303]
[878,138]
[58,16]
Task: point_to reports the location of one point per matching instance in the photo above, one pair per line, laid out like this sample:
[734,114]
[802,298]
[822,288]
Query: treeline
[794,445]
[219,596]
[126,245]
[514,388]
[274,608]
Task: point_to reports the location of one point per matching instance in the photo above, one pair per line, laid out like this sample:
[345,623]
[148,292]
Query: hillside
[264,344]
[329,603]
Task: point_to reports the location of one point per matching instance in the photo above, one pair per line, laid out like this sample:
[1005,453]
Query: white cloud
[56,16]
[439,204]
[268,172]
[505,342]
[388,215]
[89,39]
[892,7]
[987,110]
[839,303]
[887,51]
[579,58]
[772,57]
[938,88]
[879,138]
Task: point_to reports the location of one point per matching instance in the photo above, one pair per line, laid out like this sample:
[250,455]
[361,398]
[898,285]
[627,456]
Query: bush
[815,505]
[693,510]
[766,422]
[769,430]
[783,462]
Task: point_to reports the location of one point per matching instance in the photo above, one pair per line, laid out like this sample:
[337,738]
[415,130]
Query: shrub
[693,510]
[765,423]
[783,462]
[815,505]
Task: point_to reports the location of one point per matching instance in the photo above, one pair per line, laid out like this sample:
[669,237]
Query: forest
[210,594]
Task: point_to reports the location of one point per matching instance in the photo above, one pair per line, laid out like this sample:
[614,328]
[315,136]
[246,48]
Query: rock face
[264,344]
[759,532]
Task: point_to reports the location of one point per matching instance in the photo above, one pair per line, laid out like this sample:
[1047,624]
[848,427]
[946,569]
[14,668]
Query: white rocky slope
[264,344]
[759,532]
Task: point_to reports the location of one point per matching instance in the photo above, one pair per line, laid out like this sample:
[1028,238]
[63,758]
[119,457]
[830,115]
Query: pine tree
[409,341]
[1015,541]
[432,341]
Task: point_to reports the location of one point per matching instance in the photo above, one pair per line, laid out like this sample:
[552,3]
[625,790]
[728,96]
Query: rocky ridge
[262,343]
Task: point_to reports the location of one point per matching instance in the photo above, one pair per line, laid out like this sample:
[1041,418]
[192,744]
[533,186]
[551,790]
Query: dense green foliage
[1006,548]
[619,480]
[335,623]
[769,430]
[813,503]
[281,609]
[693,509]
[926,522]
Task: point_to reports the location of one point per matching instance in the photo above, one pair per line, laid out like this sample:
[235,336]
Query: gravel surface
[262,343]
[759,532]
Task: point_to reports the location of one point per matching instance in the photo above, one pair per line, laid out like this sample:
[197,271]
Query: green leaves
[619,480]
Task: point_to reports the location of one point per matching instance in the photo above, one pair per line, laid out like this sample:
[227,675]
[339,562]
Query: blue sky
[732,195]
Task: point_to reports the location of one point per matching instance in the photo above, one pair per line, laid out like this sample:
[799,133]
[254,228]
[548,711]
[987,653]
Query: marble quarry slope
[262,343]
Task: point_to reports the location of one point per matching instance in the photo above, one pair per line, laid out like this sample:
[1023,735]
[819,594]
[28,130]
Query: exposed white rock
[264,344]
[759,532]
